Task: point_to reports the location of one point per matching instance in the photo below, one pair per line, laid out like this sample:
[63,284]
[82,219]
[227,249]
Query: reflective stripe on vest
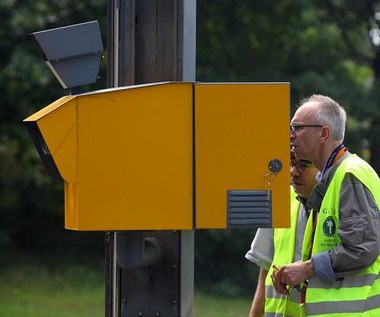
[281,305]
[355,295]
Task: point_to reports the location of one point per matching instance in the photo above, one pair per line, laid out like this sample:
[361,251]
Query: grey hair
[330,113]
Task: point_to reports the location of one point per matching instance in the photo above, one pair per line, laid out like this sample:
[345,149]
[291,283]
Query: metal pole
[152,41]
[112,274]
[113,43]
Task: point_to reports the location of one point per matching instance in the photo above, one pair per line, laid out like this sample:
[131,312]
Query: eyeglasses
[301,165]
[296,127]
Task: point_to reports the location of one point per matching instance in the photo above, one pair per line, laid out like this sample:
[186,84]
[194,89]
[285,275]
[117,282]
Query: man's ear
[324,133]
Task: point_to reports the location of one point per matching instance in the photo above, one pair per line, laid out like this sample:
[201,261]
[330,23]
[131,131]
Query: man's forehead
[306,111]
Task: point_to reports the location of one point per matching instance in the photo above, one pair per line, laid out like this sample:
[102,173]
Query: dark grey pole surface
[150,41]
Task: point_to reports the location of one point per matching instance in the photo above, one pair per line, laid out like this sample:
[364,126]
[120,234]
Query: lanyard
[337,153]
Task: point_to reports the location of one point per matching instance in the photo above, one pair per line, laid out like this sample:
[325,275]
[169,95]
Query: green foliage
[326,47]
[319,47]
[207,304]
[31,203]
[35,289]
[220,264]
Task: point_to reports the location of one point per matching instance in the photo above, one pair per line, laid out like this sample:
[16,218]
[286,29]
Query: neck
[324,155]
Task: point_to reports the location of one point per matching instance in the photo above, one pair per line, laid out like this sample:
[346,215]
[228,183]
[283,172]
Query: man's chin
[298,188]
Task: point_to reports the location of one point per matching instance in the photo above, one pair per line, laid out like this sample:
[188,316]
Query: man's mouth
[296,182]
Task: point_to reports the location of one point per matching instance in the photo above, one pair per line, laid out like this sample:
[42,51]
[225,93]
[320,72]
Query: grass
[35,289]
[38,291]
[209,305]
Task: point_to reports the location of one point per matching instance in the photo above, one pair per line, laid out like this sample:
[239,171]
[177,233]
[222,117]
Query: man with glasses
[340,257]
[281,246]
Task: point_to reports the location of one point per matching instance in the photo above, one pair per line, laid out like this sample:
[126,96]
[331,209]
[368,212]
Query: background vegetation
[319,46]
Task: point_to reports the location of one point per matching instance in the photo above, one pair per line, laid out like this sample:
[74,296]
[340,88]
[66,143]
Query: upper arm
[359,228]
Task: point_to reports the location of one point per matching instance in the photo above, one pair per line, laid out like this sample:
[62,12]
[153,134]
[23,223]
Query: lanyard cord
[335,155]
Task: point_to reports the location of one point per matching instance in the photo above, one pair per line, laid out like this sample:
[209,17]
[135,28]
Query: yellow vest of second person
[277,305]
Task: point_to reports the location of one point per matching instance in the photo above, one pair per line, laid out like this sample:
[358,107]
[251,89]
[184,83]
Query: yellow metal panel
[50,108]
[134,160]
[126,155]
[71,206]
[57,123]
[239,129]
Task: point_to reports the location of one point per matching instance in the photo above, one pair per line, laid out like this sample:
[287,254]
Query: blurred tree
[318,46]
[220,266]
[329,47]
[30,202]
[358,26]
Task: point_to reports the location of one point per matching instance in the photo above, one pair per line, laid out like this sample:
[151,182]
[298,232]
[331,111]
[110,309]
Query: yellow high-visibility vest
[277,305]
[356,295]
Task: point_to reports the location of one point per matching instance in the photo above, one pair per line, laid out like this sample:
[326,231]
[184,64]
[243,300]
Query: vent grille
[249,209]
